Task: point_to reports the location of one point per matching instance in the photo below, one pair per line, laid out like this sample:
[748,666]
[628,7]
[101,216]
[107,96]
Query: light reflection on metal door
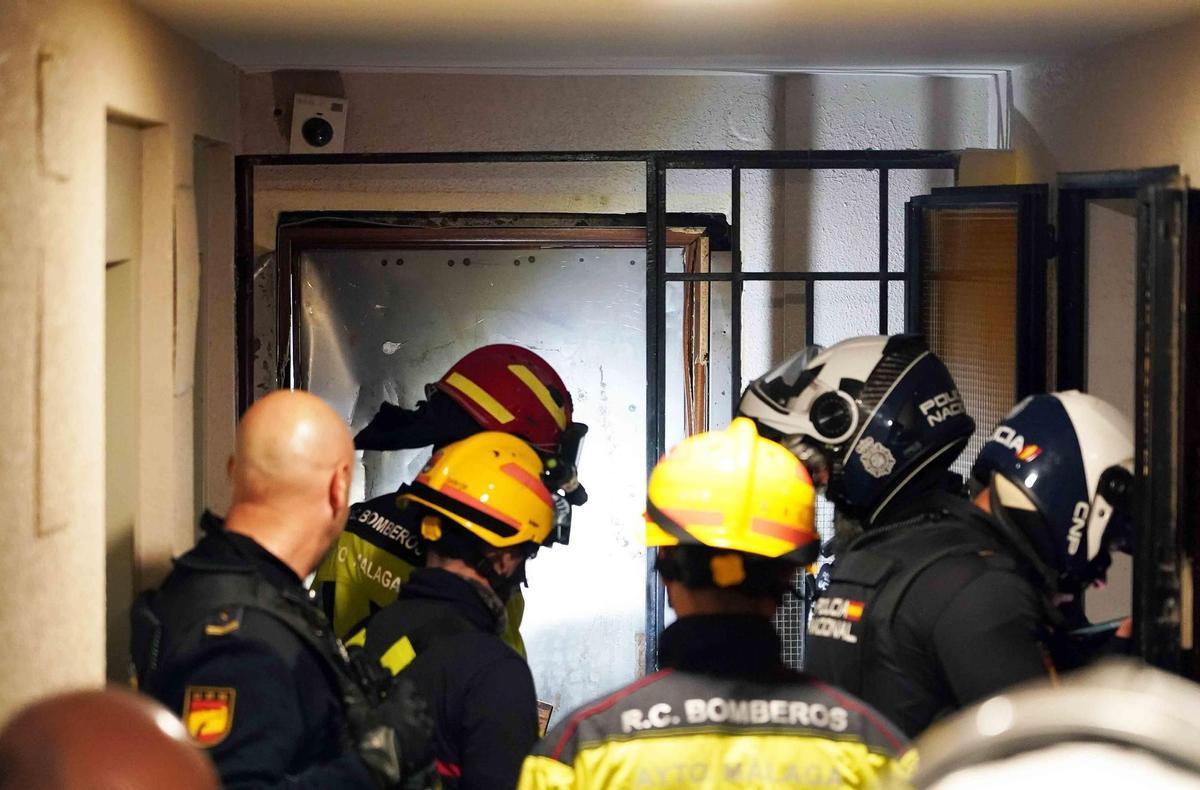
[377,325]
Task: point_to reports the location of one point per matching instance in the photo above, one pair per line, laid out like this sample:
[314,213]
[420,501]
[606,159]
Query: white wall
[831,218]
[1111,352]
[65,66]
[421,112]
[1134,104]
[804,221]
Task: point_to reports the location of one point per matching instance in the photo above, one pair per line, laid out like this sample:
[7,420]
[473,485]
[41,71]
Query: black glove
[437,421]
[407,715]
[391,728]
[388,420]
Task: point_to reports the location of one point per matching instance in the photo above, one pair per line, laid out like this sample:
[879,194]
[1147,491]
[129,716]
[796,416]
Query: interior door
[1167,425]
[976,288]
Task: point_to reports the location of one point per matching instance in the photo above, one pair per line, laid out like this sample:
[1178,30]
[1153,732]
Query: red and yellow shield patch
[208,713]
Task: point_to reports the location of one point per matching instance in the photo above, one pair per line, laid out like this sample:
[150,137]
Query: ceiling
[657,35]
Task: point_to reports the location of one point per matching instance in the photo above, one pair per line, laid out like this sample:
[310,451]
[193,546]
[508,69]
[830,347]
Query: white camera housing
[318,124]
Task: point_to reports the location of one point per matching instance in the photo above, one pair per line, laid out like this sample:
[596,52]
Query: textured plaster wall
[422,112]
[65,65]
[820,220]
[830,219]
[1134,104]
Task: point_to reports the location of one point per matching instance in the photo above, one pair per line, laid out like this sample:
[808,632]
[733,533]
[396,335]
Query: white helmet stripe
[1103,435]
[1102,432]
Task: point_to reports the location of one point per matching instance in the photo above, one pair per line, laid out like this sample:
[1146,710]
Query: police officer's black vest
[869,583]
[200,593]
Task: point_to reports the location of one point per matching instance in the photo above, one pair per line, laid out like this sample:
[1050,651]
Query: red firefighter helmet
[511,389]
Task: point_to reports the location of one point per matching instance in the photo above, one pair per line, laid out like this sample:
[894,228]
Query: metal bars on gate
[657,164]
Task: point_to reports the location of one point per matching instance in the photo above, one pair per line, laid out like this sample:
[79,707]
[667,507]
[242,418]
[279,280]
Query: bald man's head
[287,440]
[291,468]
[100,740]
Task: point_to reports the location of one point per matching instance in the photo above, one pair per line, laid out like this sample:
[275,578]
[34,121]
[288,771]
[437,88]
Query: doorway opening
[1111,353]
[1097,287]
[123,234]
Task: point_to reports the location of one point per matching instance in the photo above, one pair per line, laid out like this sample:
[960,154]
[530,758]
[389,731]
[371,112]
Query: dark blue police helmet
[873,418]
[1059,466]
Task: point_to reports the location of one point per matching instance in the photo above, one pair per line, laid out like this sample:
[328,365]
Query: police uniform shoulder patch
[223,622]
[208,713]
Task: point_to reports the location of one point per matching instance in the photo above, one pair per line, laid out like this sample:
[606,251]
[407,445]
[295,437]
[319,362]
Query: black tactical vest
[200,594]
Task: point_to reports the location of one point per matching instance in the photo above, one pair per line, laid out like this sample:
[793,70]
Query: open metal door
[1167,425]
[976,288]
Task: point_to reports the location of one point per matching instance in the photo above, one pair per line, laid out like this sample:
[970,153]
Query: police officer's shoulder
[250,628]
[940,583]
[236,664]
[990,593]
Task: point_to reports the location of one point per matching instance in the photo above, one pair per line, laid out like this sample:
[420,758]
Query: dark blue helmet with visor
[1060,468]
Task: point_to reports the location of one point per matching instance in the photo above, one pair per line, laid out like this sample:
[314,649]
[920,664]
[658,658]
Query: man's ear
[339,488]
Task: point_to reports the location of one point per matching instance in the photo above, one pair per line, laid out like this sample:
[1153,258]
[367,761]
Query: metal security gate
[796,289]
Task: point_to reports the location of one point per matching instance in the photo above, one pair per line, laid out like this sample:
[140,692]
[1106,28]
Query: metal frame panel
[1033,250]
[1164,463]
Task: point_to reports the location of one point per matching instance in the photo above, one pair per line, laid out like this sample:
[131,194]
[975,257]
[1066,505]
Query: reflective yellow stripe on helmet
[542,393]
[735,490]
[481,397]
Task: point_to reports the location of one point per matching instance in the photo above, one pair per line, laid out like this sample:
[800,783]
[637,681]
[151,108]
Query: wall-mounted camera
[318,124]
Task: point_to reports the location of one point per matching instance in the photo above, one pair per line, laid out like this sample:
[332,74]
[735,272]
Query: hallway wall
[801,221]
[67,65]
[1133,104]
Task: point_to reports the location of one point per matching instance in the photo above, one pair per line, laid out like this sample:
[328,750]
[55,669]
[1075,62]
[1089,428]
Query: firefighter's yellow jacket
[724,712]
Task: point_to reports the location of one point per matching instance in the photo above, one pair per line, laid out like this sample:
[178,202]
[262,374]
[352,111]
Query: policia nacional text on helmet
[730,515]
[235,644]
[948,602]
[499,387]
[483,511]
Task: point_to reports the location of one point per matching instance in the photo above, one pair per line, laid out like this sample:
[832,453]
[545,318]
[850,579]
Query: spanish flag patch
[208,713]
[854,610]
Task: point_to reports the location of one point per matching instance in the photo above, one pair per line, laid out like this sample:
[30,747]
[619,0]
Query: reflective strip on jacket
[676,729]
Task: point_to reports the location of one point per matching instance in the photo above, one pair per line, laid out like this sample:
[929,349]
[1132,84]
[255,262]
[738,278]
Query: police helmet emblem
[876,458]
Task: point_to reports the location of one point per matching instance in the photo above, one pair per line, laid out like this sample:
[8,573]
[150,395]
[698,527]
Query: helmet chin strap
[502,585]
[505,586]
[454,542]
[1009,506]
[815,461]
